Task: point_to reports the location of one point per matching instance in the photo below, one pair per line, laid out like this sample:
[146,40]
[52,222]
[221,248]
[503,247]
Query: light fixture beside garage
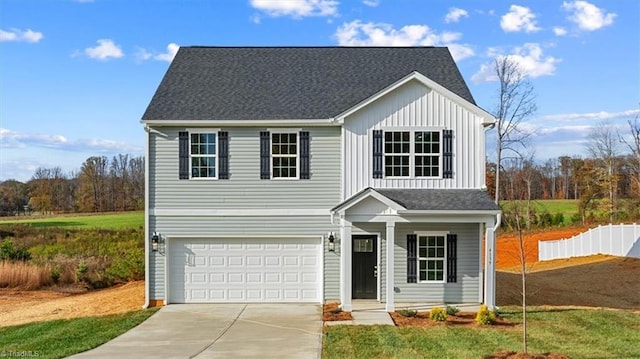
[332,242]
[155,241]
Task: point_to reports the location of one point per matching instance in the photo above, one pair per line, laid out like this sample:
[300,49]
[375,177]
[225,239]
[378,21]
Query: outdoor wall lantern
[155,241]
[332,242]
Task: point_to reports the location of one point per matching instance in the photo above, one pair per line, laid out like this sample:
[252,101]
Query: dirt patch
[508,246]
[463,319]
[513,355]
[331,312]
[19,307]
[610,282]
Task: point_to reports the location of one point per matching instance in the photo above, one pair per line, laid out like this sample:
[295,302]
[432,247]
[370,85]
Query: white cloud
[296,8]
[17,35]
[455,14]
[172,50]
[357,33]
[559,31]
[588,16]
[519,18]
[529,58]
[371,3]
[105,49]
[144,54]
[13,139]
[593,116]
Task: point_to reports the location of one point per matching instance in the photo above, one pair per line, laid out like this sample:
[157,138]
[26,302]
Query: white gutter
[245,123]
[146,218]
[498,221]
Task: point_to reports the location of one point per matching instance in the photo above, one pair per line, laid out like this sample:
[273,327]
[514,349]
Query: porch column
[391,227]
[490,266]
[345,265]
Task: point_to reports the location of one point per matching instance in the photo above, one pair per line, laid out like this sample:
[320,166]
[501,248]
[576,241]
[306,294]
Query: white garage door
[244,270]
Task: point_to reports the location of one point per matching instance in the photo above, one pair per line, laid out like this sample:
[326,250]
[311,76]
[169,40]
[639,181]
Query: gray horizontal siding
[467,288]
[221,227]
[245,189]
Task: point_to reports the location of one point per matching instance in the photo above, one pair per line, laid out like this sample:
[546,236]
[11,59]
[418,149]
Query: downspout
[146,218]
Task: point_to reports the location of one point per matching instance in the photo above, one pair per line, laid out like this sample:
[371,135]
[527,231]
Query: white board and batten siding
[417,106]
[244,210]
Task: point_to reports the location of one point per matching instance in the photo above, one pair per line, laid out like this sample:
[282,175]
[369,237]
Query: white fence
[618,240]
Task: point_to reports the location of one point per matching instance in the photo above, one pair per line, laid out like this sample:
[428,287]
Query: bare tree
[516,103]
[603,147]
[634,147]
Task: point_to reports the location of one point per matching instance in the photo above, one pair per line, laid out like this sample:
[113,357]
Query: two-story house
[308,174]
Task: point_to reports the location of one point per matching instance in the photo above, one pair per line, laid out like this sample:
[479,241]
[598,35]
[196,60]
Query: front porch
[426,249]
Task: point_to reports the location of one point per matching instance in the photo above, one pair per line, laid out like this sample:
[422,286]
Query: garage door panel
[247,270]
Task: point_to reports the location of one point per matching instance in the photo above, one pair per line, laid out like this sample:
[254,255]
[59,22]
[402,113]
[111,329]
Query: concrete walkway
[221,331]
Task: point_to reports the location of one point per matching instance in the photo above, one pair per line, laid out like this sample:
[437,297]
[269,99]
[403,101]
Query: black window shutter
[265,155]
[412,258]
[377,153]
[304,155]
[183,155]
[223,155]
[447,153]
[452,258]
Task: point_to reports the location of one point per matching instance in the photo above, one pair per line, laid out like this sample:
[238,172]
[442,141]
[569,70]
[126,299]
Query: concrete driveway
[221,331]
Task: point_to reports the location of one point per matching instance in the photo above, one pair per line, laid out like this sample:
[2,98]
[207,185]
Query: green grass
[573,332]
[104,221]
[61,338]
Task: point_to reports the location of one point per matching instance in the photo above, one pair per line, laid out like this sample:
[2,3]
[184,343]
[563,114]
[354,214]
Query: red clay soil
[332,312]
[508,246]
[462,319]
[514,355]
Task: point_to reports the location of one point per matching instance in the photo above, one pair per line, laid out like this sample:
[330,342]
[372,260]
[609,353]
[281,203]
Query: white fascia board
[245,123]
[369,192]
[474,212]
[487,118]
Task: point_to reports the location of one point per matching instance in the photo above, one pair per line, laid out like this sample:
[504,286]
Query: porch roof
[420,199]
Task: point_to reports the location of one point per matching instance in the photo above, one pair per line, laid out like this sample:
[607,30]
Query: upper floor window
[284,155]
[203,155]
[412,153]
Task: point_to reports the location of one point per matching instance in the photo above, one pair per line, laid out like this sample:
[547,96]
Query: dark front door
[364,271]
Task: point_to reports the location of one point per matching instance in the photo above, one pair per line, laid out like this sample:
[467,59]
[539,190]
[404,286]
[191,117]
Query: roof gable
[277,83]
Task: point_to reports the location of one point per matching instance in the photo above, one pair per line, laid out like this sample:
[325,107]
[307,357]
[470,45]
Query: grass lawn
[119,220]
[573,332]
[61,338]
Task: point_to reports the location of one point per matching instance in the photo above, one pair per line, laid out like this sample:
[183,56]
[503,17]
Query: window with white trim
[431,258]
[284,155]
[412,153]
[203,155]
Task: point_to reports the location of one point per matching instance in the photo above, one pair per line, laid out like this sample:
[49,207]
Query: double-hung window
[203,154]
[412,153]
[431,258]
[284,155]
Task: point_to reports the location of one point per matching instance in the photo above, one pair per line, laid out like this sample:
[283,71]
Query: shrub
[8,251]
[452,310]
[438,314]
[558,219]
[485,316]
[408,312]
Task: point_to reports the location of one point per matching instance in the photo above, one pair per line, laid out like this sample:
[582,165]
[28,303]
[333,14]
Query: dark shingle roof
[256,83]
[441,199]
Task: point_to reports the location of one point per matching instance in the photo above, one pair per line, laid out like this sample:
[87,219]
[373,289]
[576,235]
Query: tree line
[100,185]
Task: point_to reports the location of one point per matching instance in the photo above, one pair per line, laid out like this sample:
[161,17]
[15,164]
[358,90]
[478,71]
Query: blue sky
[76,76]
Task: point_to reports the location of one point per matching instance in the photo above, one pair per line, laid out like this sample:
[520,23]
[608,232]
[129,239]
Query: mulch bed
[465,319]
[513,355]
[332,312]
